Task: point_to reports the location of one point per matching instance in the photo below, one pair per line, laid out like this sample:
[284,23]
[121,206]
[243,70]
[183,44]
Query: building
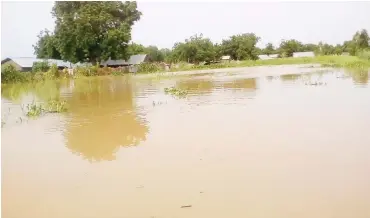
[133,60]
[226,58]
[268,57]
[24,64]
[303,54]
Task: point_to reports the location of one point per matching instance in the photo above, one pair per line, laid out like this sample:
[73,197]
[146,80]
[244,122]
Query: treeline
[96,31]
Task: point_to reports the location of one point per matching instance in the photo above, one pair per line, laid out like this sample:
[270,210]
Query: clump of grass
[52,106]
[176,92]
[34,110]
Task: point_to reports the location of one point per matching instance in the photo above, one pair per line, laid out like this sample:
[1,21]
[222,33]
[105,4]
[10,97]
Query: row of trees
[96,31]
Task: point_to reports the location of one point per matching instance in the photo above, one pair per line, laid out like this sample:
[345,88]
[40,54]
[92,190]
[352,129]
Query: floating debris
[185,206]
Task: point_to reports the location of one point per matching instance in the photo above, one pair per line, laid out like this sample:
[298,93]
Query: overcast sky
[165,23]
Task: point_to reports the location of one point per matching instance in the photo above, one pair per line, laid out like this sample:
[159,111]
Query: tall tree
[94,31]
[194,50]
[134,49]
[241,47]
[155,54]
[269,49]
[46,46]
[361,39]
[288,47]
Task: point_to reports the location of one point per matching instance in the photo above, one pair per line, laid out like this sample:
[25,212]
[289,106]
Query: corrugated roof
[225,57]
[134,59]
[27,62]
[137,59]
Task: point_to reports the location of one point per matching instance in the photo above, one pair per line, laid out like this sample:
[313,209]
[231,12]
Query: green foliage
[10,75]
[89,31]
[42,66]
[176,92]
[364,54]
[148,68]
[55,106]
[34,110]
[154,53]
[288,47]
[361,40]
[196,49]
[269,49]
[52,106]
[46,46]
[134,49]
[241,47]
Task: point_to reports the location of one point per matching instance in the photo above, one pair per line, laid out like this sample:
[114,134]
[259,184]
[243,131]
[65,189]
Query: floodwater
[263,142]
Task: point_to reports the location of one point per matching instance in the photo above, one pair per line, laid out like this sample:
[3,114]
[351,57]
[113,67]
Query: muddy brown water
[262,142]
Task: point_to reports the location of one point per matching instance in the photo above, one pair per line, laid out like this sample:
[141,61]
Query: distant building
[133,60]
[226,58]
[303,54]
[268,57]
[24,64]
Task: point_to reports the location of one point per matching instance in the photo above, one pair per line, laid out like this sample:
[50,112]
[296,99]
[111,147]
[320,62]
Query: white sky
[164,23]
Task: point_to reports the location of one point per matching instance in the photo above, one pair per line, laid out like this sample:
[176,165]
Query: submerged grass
[176,92]
[52,106]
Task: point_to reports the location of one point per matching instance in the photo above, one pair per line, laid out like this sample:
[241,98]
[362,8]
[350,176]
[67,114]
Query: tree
[134,49]
[46,46]
[94,31]
[269,49]
[360,41]
[288,47]
[241,47]
[309,47]
[154,53]
[194,50]
[166,54]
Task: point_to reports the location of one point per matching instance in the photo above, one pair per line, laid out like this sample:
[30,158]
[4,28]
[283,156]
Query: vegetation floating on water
[176,92]
[53,106]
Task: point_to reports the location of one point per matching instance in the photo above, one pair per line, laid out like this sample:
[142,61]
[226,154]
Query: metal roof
[133,60]
[304,54]
[225,57]
[137,59]
[27,62]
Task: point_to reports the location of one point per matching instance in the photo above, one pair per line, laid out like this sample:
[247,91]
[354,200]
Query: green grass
[351,62]
[52,106]
[176,92]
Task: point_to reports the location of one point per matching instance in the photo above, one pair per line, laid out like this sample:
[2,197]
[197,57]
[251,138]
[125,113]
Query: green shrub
[10,75]
[148,68]
[365,55]
[42,66]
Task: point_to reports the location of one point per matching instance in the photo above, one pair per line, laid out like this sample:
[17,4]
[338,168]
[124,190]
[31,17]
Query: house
[131,64]
[24,64]
[133,60]
[226,58]
[303,54]
[268,57]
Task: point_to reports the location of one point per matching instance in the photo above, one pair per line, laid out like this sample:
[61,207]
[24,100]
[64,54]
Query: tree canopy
[90,31]
[93,31]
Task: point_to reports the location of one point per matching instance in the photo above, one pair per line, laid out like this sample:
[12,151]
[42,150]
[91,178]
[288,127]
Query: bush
[148,68]
[40,66]
[10,75]
[365,55]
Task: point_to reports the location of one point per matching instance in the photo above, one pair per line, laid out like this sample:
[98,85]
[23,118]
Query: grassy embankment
[358,63]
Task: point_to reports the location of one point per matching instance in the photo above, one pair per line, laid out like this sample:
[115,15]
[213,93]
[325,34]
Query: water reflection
[361,78]
[103,118]
[290,77]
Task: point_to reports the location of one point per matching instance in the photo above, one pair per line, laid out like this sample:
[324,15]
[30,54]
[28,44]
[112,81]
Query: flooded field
[264,142]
